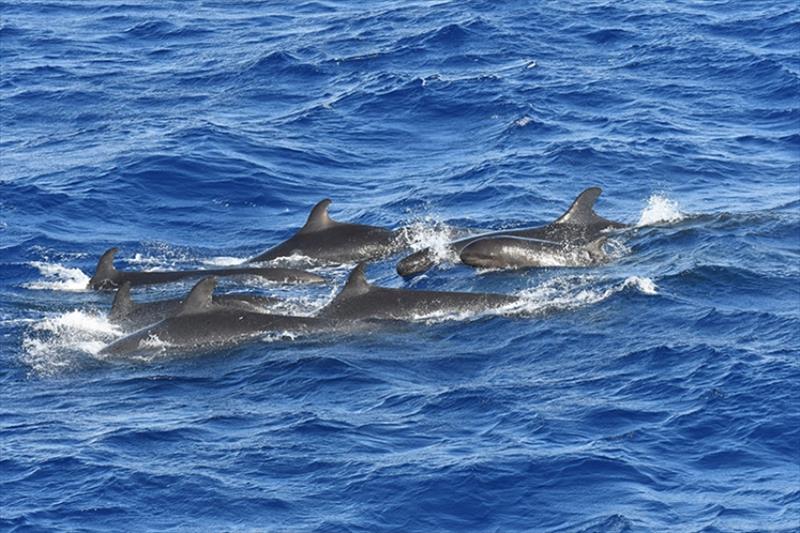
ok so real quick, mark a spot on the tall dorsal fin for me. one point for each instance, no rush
(200, 297)
(581, 212)
(357, 283)
(105, 272)
(123, 304)
(319, 218)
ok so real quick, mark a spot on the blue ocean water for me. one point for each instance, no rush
(657, 393)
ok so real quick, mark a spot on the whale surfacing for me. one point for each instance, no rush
(507, 252)
(201, 323)
(107, 277)
(132, 315)
(577, 228)
(326, 241)
(361, 300)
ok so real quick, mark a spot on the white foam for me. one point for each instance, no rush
(224, 261)
(643, 285)
(56, 343)
(278, 336)
(522, 122)
(659, 210)
(431, 233)
(162, 256)
(58, 278)
(153, 342)
(561, 293)
(564, 293)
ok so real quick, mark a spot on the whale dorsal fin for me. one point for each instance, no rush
(581, 212)
(123, 304)
(357, 283)
(200, 297)
(319, 218)
(105, 272)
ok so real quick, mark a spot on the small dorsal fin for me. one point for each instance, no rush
(357, 283)
(319, 218)
(581, 212)
(105, 272)
(200, 297)
(123, 304)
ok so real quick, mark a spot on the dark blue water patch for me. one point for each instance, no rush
(663, 382)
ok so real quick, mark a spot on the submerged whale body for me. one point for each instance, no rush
(361, 300)
(132, 315)
(324, 240)
(200, 323)
(106, 276)
(579, 226)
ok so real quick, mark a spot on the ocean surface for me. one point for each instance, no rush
(657, 393)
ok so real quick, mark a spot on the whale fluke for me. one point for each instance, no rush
(200, 297)
(318, 219)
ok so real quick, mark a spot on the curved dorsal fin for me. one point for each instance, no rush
(319, 218)
(123, 304)
(581, 212)
(200, 297)
(105, 272)
(357, 283)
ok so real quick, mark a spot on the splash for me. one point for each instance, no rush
(224, 261)
(58, 278)
(164, 257)
(522, 122)
(660, 210)
(566, 293)
(558, 294)
(58, 343)
(643, 285)
(278, 336)
(154, 343)
(433, 234)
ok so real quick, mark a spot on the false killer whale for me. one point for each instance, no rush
(132, 315)
(326, 241)
(201, 323)
(519, 252)
(108, 277)
(578, 226)
(361, 300)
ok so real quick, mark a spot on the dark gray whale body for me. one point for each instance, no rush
(132, 315)
(107, 277)
(579, 227)
(519, 252)
(326, 241)
(360, 300)
(200, 323)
